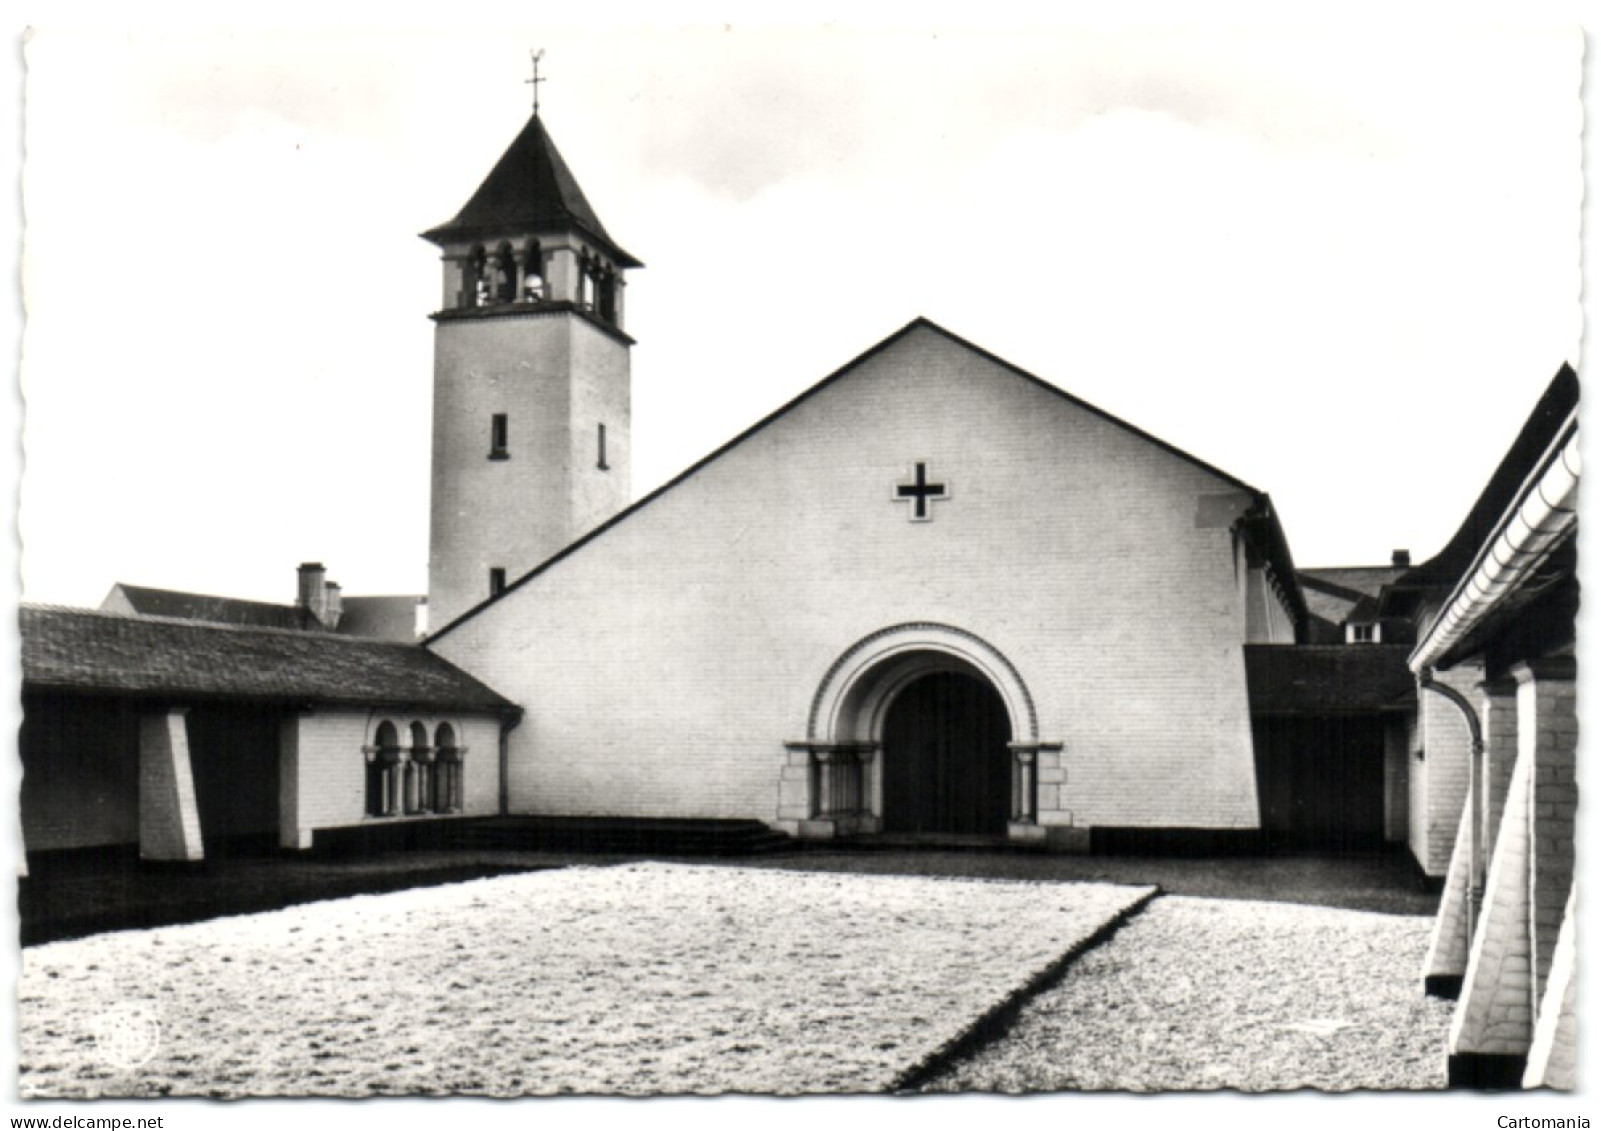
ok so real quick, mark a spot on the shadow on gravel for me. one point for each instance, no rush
(1385, 883)
(91, 896)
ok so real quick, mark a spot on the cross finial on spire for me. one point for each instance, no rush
(534, 82)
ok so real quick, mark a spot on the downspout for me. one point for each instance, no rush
(1426, 682)
(508, 723)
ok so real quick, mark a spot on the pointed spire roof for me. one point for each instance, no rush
(530, 189)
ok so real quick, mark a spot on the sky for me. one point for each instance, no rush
(1341, 266)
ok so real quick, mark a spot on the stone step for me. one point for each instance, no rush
(617, 835)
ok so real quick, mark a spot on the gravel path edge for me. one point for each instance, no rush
(995, 1020)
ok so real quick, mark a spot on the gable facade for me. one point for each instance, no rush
(730, 647)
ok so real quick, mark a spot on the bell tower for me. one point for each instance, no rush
(531, 378)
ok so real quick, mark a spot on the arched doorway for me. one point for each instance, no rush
(946, 765)
(960, 756)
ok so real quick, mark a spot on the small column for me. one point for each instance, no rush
(393, 788)
(1024, 824)
(864, 774)
(169, 815)
(1023, 786)
(823, 797)
(424, 761)
(408, 778)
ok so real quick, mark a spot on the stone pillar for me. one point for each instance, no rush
(1491, 1027)
(1499, 718)
(1447, 957)
(457, 287)
(1548, 736)
(1024, 824)
(1553, 1052)
(561, 285)
(291, 831)
(824, 789)
(169, 815)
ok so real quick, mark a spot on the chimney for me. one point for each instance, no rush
(313, 594)
(1401, 559)
(333, 606)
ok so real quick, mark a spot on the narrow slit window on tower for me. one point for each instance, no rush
(497, 437)
(497, 580)
(600, 448)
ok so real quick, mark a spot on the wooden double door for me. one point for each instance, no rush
(946, 765)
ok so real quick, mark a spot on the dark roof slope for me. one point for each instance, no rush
(1264, 519)
(83, 650)
(1312, 679)
(218, 610)
(1350, 583)
(530, 189)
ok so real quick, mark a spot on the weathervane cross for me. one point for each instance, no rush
(534, 82)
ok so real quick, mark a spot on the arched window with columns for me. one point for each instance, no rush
(504, 280)
(533, 272)
(608, 295)
(473, 288)
(419, 771)
(447, 781)
(383, 771)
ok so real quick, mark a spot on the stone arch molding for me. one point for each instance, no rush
(851, 700)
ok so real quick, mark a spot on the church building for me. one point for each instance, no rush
(934, 596)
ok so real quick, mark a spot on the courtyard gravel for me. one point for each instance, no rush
(635, 979)
(1195, 994)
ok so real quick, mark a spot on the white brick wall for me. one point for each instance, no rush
(555, 377)
(1439, 784)
(322, 778)
(664, 664)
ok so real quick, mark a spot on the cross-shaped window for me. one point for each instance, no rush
(920, 492)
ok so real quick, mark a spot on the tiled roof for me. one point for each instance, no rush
(83, 650)
(1332, 593)
(1308, 679)
(201, 606)
(529, 190)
